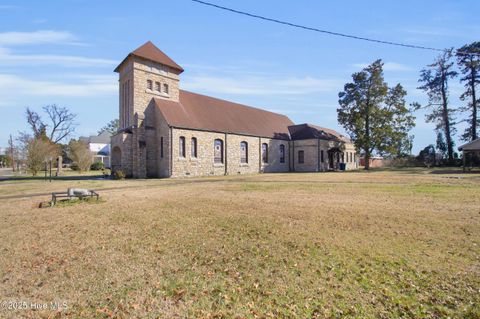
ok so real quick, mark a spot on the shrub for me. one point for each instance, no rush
(40, 151)
(80, 154)
(97, 166)
(119, 174)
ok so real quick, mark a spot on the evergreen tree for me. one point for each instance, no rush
(111, 127)
(468, 59)
(435, 80)
(441, 145)
(374, 115)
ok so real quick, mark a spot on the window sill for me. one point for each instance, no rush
(218, 165)
(162, 94)
(244, 164)
(182, 159)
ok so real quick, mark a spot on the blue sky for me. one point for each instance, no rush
(64, 52)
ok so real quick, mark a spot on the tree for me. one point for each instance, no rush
(435, 82)
(11, 151)
(61, 123)
(427, 155)
(374, 115)
(441, 145)
(39, 152)
(111, 127)
(468, 59)
(80, 155)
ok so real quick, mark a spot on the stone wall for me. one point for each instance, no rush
(203, 164)
(313, 148)
(124, 142)
(143, 71)
(162, 143)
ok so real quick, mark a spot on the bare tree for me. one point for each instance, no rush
(35, 121)
(11, 149)
(61, 123)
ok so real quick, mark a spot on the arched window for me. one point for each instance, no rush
(282, 153)
(265, 153)
(149, 84)
(218, 151)
(181, 146)
(243, 152)
(194, 147)
(301, 157)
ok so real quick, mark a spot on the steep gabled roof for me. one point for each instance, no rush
(309, 131)
(200, 112)
(150, 52)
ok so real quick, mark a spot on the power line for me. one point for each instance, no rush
(411, 46)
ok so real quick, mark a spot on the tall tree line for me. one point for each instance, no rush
(378, 121)
(435, 80)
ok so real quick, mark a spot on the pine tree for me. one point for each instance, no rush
(468, 59)
(374, 115)
(441, 145)
(435, 79)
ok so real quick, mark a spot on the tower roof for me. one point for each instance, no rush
(150, 52)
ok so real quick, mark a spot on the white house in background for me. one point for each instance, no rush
(100, 147)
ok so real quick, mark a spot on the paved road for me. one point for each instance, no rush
(5, 173)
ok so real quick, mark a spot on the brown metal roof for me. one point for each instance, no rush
(150, 52)
(196, 111)
(308, 131)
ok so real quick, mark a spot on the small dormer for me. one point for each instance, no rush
(145, 73)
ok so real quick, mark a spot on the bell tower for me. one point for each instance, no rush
(145, 73)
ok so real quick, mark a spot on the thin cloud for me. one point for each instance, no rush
(12, 86)
(387, 66)
(7, 58)
(256, 85)
(13, 38)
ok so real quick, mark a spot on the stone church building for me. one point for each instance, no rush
(168, 132)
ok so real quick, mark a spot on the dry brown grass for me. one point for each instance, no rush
(382, 244)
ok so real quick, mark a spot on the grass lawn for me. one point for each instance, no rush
(384, 244)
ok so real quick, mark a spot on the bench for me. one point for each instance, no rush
(73, 193)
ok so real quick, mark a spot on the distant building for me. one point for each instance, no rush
(376, 161)
(100, 147)
(168, 132)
